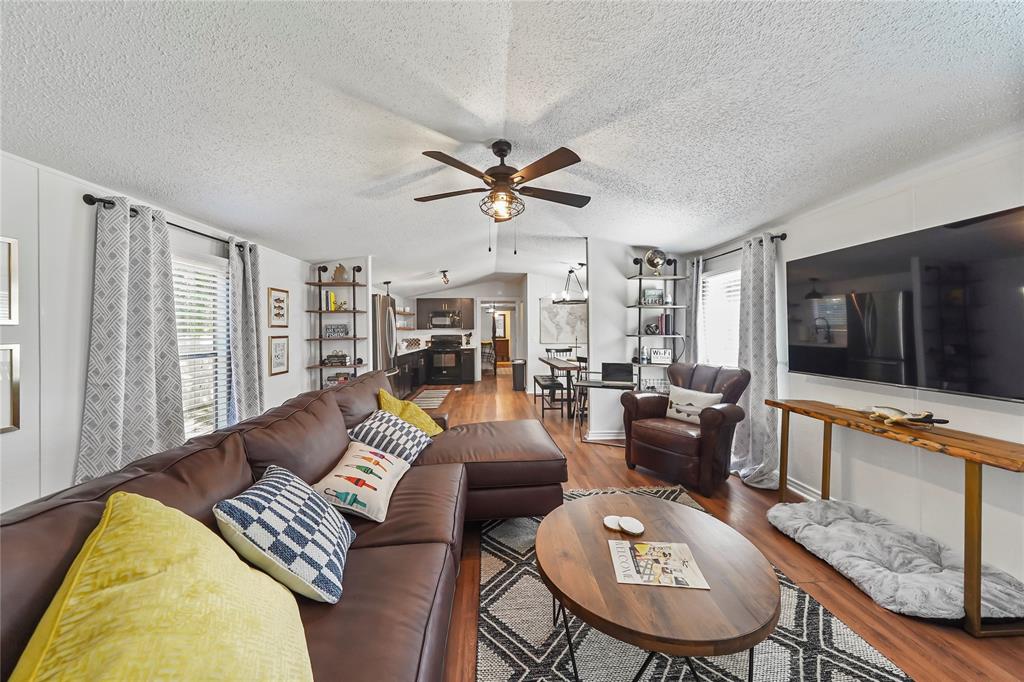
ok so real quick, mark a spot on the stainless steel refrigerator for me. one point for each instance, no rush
(880, 336)
(385, 332)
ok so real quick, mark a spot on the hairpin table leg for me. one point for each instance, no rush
(643, 668)
(568, 641)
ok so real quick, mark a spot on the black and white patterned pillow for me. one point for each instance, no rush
(391, 434)
(285, 528)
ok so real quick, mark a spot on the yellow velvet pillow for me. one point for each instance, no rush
(155, 594)
(409, 412)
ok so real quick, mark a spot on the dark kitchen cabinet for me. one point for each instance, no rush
(461, 309)
(468, 365)
(411, 373)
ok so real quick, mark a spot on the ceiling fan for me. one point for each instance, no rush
(505, 183)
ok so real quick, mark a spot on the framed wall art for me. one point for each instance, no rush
(8, 280)
(10, 387)
(562, 323)
(277, 307)
(278, 355)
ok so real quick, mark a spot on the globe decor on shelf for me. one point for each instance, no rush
(655, 259)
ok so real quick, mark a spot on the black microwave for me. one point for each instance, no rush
(445, 319)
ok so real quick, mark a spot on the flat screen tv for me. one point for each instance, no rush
(939, 309)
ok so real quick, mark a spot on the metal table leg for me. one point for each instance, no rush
(568, 641)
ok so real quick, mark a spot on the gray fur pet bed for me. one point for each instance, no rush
(901, 570)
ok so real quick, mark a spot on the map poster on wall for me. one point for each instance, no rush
(562, 323)
(670, 564)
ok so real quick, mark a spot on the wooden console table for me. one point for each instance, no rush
(975, 450)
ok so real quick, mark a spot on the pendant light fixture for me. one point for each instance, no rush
(569, 295)
(813, 294)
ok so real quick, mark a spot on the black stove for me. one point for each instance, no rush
(446, 358)
(445, 341)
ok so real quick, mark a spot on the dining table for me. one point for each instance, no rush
(568, 367)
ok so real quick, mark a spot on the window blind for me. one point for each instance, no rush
(831, 308)
(718, 323)
(201, 307)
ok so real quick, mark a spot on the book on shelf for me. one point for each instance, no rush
(669, 564)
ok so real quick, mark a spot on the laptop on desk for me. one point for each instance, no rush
(617, 373)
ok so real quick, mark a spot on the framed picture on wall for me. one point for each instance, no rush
(8, 280)
(562, 323)
(499, 325)
(10, 387)
(277, 307)
(278, 355)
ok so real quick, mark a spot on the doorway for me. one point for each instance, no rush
(498, 335)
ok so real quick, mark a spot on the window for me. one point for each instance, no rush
(201, 306)
(718, 323)
(832, 309)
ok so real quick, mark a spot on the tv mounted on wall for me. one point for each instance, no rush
(940, 309)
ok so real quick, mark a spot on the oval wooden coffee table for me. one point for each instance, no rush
(739, 611)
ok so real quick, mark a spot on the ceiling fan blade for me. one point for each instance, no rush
(455, 163)
(577, 200)
(434, 197)
(560, 158)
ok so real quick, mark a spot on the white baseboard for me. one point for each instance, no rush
(803, 490)
(606, 435)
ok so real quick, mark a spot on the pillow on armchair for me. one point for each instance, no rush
(685, 404)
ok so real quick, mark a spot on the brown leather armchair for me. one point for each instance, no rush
(696, 456)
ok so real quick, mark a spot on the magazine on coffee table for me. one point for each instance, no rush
(656, 563)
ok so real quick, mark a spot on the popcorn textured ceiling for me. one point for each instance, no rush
(301, 124)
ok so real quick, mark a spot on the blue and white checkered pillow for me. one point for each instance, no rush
(391, 434)
(284, 527)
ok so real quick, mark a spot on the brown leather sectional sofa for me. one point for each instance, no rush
(392, 622)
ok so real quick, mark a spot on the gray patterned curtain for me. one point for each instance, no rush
(133, 382)
(755, 455)
(244, 331)
(695, 268)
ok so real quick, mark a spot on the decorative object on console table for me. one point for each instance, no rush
(976, 451)
(8, 280)
(330, 303)
(278, 354)
(892, 415)
(10, 387)
(277, 307)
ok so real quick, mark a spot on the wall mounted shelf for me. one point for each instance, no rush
(338, 285)
(319, 285)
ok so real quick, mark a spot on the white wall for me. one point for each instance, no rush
(608, 265)
(43, 207)
(917, 489)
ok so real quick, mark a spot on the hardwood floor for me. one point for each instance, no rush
(924, 650)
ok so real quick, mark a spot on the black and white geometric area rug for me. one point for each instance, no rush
(516, 640)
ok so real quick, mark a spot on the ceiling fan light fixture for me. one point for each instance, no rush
(502, 204)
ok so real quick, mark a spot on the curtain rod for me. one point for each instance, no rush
(781, 237)
(109, 203)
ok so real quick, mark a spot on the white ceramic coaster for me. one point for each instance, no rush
(611, 522)
(630, 525)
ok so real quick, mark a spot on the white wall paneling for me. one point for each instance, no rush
(917, 489)
(19, 219)
(43, 207)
